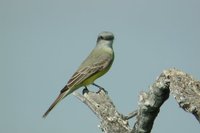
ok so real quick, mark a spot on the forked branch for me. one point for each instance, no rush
(184, 88)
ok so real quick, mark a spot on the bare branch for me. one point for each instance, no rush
(185, 89)
(103, 107)
(150, 103)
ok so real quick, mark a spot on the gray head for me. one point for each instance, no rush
(106, 36)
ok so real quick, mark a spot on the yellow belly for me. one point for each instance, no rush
(91, 79)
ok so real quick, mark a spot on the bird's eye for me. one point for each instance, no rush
(101, 37)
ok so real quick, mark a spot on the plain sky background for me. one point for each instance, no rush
(42, 42)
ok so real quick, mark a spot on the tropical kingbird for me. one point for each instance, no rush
(94, 66)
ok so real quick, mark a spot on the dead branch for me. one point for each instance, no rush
(185, 89)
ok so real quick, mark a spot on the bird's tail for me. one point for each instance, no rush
(64, 92)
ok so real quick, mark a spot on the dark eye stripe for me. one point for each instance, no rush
(105, 38)
(109, 38)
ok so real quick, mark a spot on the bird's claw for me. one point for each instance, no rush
(85, 90)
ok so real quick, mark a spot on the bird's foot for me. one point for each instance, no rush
(100, 88)
(85, 90)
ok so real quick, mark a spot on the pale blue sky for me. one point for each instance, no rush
(42, 42)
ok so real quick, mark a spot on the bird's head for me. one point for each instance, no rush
(105, 38)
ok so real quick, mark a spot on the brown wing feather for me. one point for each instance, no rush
(87, 72)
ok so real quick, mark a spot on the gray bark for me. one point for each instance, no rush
(186, 91)
(184, 88)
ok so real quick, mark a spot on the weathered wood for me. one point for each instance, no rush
(184, 88)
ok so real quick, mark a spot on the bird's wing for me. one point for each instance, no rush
(87, 72)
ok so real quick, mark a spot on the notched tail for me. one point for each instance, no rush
(63, 93)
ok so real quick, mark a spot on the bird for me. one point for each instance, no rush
(94, 66)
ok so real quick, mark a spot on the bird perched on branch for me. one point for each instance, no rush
(94, 66)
